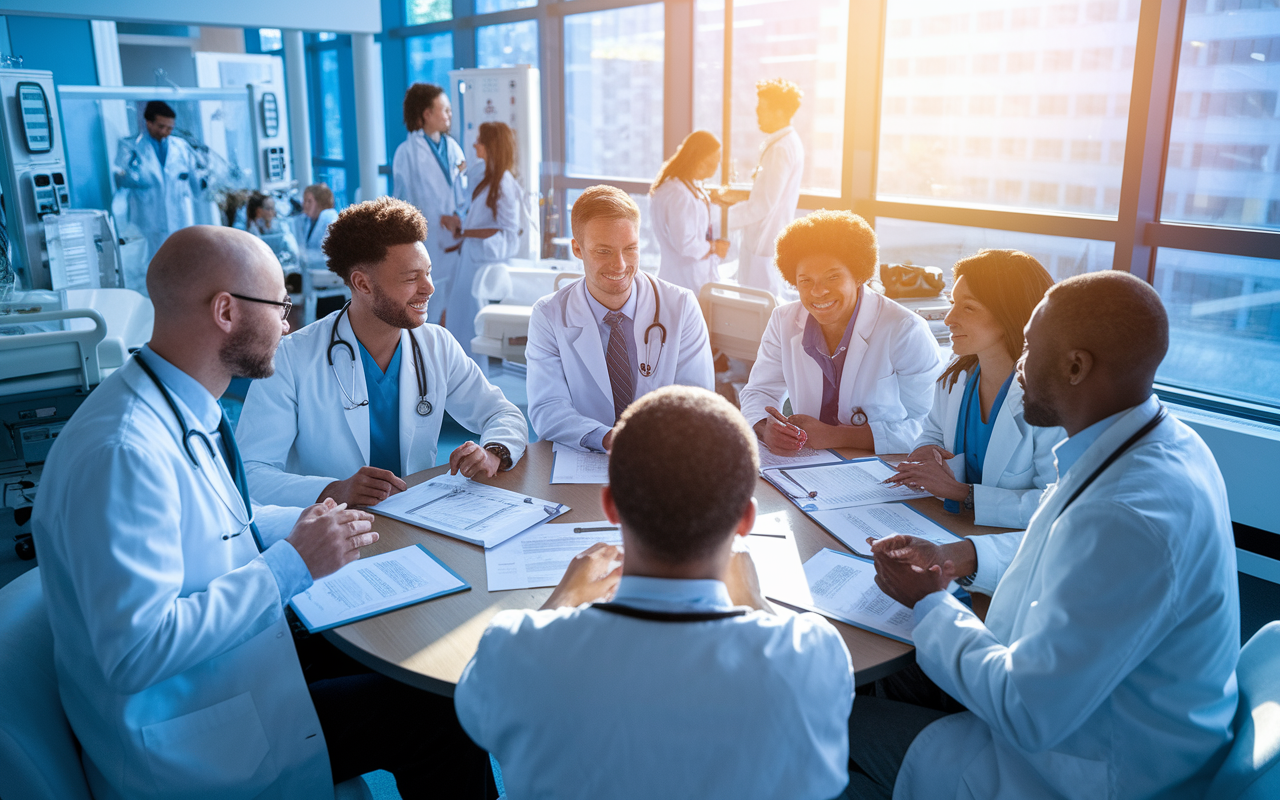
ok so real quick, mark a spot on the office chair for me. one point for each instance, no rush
(1250, 771)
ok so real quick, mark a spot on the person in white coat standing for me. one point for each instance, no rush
(1105, 667)
(977, 451)
(681, 211)
(859, 368)
(357, 399)
(775, 191)
(166, 586)
(489, 235)
(612, 337)
(162, 176)
(428, 170)
(310, 227)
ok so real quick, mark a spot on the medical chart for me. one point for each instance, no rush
(467, 510)
(805, 455)
(844, 588)
(540, 557)
(773, 550)
(854, 525)
(859, 482)
(370, 586)
(576, 466)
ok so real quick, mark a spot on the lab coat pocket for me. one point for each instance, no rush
(214, 752)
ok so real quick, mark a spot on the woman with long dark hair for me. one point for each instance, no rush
(681, 212)
(489, 234)
(976, 450)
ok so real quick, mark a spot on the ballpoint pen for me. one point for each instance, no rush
(596, 530)
(809, 492)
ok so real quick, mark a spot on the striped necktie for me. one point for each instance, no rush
(620, 375)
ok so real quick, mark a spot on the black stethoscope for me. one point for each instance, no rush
(424, 408)
(647, 369)
(187, 433)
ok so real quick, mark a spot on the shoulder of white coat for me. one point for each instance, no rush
(557, 299)
(791, 314)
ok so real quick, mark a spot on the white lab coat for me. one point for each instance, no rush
(570, 394)
(482, 275)
(311, 239)
(161, 199)
(1019, 463)
(889, 371)
(1106, 666)
(417, 179)
(175, 662)
(680, 222)
(296, 437)
(775, 194)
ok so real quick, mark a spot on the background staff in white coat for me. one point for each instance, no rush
(1105, 666)
(858, 367)
(775, 191)
(166, 587)
(428, 171)
(351, 401)
(612, 337)
(999, 464)
(310, 227)
(162, 176)
(489, 234)
(681, 211)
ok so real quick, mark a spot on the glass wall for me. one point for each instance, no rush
(1007, 104)
(330, 104)
(488, 6)
(708, 70)
(430, 58)
(1224, 324)
(1224, 147)
(613, 92)
(420, 12)
(804, 43)
(507, 45)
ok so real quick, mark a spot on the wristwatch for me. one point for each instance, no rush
(503, 454)
(968, 500)
(859, 417)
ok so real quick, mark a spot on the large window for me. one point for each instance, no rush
(1224, 148)
(420, 12)
(489, 6)
(430, 58)
(507, 45)
(613, 92)
(330, 104)
(1224, 323)
(1006, 104)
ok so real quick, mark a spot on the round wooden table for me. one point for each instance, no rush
(429, 644)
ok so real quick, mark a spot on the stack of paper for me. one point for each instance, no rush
(577, 466)
(805, 455)
(854, 526)
(773, 550)
(540, 556)
(371, 586)
(844, 588)
(466, 510)
(822, 487)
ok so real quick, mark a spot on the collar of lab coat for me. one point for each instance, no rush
(868, 315)
(1005, 434)
(582, 331)
(774, 137)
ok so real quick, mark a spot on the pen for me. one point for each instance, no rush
(778, 416)
(596, 530)
(770, 535)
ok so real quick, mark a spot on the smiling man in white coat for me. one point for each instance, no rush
(1105, 667)
(357, 399)
(166, 587)
(613, 336)
(428, 171)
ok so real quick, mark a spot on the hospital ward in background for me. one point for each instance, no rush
(606, 398)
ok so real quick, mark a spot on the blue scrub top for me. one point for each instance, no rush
(972, 434)
(441, 151)
(384, 411)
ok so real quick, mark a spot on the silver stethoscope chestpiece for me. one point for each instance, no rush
(859, 417)
(424, 407)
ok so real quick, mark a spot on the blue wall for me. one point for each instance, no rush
(62, 46)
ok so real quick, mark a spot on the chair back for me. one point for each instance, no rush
(564, 278)
(736, 317)
(1250, 771)
(39, 754)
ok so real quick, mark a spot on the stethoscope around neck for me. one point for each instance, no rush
(423, 408)
(647, 367)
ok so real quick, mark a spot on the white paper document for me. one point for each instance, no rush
(575, 466)
(466, 510)
(805, 455)
(773, 550)
(853, 525)
(374, 585)
(859, 482)
(539, 557)
(844, 588)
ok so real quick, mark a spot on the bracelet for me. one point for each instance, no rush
(968, 500)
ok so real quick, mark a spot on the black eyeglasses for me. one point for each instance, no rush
(285, 305)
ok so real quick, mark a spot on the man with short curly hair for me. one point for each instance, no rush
(358, 397)
(765, 211)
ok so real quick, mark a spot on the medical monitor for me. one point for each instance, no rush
(34, 108)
